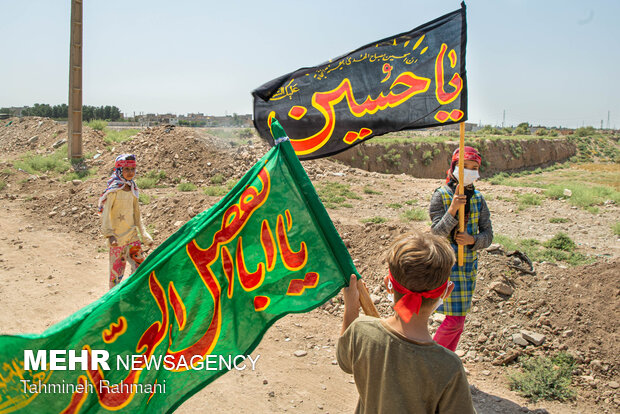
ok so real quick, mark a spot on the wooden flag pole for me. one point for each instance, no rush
(461, 189)
(74, 121)
(367, 306)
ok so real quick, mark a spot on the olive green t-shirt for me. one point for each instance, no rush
(396, 375)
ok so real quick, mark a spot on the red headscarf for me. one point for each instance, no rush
(411, 302)
(471, 154)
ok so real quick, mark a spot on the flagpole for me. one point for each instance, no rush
(461, 189)
(367, 305)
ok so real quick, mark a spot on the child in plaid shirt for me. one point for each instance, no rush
(478, 235)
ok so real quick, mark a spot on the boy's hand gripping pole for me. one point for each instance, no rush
(461, 189)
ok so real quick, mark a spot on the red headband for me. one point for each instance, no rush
(125, 163)
(411, 302)
(470, 154)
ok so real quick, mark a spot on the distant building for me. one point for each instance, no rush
(196, 120)
(15, 110)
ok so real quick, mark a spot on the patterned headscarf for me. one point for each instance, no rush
(471, 154)
(117, 181)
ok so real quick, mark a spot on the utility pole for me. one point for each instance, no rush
(504, 119)
(74, 124)
(607, 119)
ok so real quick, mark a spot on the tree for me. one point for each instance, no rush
(522, 129)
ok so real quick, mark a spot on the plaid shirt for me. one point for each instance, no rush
(464, 277)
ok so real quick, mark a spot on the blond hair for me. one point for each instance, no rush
(420, 262)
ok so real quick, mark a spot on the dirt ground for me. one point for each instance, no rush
(53, 262)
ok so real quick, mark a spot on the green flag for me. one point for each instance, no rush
(196, 307)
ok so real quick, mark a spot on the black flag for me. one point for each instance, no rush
(408, 81)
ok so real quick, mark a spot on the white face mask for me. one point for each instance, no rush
(469, 176)
(440, 301)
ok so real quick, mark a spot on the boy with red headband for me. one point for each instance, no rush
(121, 218)
(478, 235)
(397, 366)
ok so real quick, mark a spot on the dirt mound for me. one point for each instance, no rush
(193, 155)
(41, 135)
(182, 154)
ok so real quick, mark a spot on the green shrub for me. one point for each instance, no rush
(217, 179)
(540, 252)
(375, 220)
(79, 175)
(56, 162)
(498, 179)
(246, 133)
(616, 228)
(545, 378)
(561, 241)
(516, 149)
(585, 131)
(113, 136)
(144, 198)
(427, 157)
(395, 206)
(556, 220)
(157, 174)
(584, 195)
(490, 130)
(332, 193)
(146, 182)
(414, 214)
(186, 187)
(97, 124)
(526, 200)
(216, 191)
(2, 185)
(522, 129)
(370, 190)
(150, 179)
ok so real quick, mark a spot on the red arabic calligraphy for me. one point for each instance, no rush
(324, 102)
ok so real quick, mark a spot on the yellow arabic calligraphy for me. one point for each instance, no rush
(286, 91)
(371, 57)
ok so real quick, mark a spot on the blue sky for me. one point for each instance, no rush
(547, 62)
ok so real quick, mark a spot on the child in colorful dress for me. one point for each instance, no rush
(478, 235)
(121, 219)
